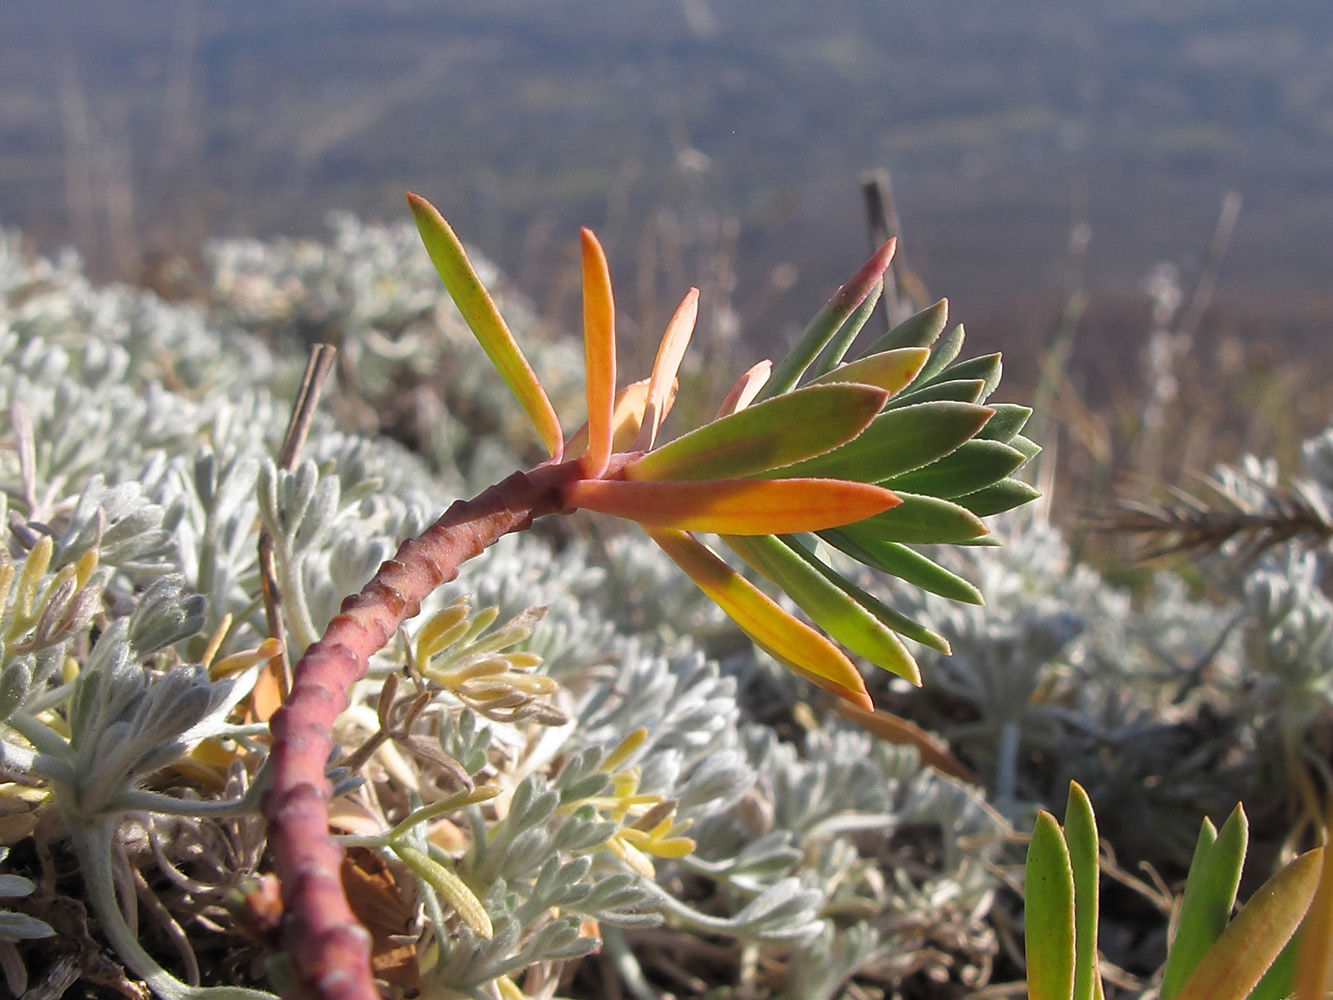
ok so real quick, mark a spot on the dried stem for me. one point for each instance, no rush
(330, 951)
(317, 370)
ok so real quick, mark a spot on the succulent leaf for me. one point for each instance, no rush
(599, 354)
(828, 321)
(1243, 952)
(998, 497)
(905, 563)
(1210, 895)
(919, 330)
(973, 466)
(813, 587)
(921, 520)
(734, 506)
(1081, 837)
(1049, 913)
(767, 436)
(791, 641)
(478, 309)
(891, 371)
(898, 441)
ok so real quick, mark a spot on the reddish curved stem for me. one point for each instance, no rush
(329, 948)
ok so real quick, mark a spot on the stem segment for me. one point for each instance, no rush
(329, 949)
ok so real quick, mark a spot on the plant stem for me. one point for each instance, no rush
(329, 949)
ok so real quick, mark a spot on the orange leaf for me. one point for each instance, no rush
(746, 388)
(790, 641)
(734, 506)
(670, 353)
(599, 354)
(626, 418)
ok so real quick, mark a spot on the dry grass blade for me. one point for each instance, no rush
(1193, 526)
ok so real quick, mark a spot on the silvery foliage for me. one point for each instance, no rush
(372, 291)
(144, 432)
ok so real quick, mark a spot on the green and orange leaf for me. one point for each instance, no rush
(488, 326)
(733, 506)
(789, 640)
(814, 589)
(891, 371)
(1252, 941)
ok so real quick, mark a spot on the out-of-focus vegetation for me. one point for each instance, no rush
(717, 144)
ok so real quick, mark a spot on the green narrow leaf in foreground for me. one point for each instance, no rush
(1048, 913)
(1249, 945)
(479, 311)
(1084, 860)
(766, 436)
(1210, 894)
(791, 641)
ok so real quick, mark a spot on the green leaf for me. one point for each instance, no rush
(766, 436)
(1210, 893)
(842, 339)
(941, 356)
(732, 506)
(897, 441)
(479, 311)
(961, 391)
(1009, 419)
(1048, 913)
(973, 466)
(988, 368)
(790, 640)
(1004, 495)
(1247, 948)
(922, 521)
(1027, 446)
(819, 592)
(907, 564)
(1084, 860)
(889, 370)
(920, 330)
(827, 322)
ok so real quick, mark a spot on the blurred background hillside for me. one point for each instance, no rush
(1041, 153)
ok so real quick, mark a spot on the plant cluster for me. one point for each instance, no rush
(569, 770)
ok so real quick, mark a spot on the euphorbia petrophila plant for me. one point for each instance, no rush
(891, 449)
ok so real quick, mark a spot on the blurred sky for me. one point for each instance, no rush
(707, 140)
